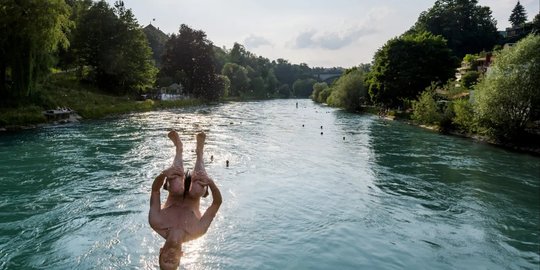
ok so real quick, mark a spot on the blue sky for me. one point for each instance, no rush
(317, 32)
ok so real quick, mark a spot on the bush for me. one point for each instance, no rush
(470, 78)
(349, 91)
(508, 95)
(463, 116)
(426, 110)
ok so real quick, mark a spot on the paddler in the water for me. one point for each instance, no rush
(180, 219)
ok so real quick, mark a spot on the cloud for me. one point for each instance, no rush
(330, 40)
(256, 41)
(344, 34)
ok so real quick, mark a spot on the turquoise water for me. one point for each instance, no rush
(366, 194)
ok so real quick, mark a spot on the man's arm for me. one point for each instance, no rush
(155, 195)
(211, 212)
(155, 207)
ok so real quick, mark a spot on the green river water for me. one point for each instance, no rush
(364, 194)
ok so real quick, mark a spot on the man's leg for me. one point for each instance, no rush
(199, 163)
(199, 171)
(178, 162)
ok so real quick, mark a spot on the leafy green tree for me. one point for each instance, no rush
(111, 42)
(425, 109)
(220, 58)
(157, 40)
(284, 91)
(271, 82)
(32, 31)
(509, 95)
(349, 91)
(189, 57)
(518, 16)
(302, 88)
(317, 89)
(257, 87)
(536, 23)
(405, 66)
(468, 27)
(223, 85)
(324, 95)
(464, 118)
(238, 77)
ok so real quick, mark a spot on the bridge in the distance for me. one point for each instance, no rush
(327, 77)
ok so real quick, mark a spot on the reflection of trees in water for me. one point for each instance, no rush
(460, 180)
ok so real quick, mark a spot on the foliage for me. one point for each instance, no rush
(470, 78)
(324, 95)
(284, 91)
(405, 66)
(317, 89)
(111, 42)
(349, 91)
(468, 27)
(32, 31)
(464, 118)
(509, 95)
(224, 85)
(426, 109)
(302, 88)
(257, 87)
(189, 60)
(156, 40)
(24, 115)
(238, 77)
(536, 23)
(518, 16)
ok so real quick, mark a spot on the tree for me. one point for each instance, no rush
(518, 16)
(536, 23)
(468, 27)
(405, 66)
(425, 108)
(317, 89)
(349, 91)
(157, 40)
(238, 77)
(189, 59)
(284, 91)
(257, 87)
(32, 31)
(509, 95)
(111, 42)
(302, 88)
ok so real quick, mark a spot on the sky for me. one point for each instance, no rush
(320, 33)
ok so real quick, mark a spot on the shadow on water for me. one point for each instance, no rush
(486, 188)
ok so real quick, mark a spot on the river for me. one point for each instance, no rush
(307, 188)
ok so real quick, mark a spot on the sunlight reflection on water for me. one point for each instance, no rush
(364, 194)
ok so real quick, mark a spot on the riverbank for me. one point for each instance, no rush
(529, 145)
(88, 102)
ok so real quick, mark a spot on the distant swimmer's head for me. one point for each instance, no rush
(175, 185)
(169, 256)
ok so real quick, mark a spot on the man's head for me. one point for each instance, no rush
(169, 255)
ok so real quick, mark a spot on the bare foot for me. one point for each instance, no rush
(175, 138)
(201, 137)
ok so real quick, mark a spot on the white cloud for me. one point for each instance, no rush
(253, 41)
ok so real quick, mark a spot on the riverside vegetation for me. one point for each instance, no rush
(96, 59)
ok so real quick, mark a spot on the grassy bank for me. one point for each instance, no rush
(64, 91)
